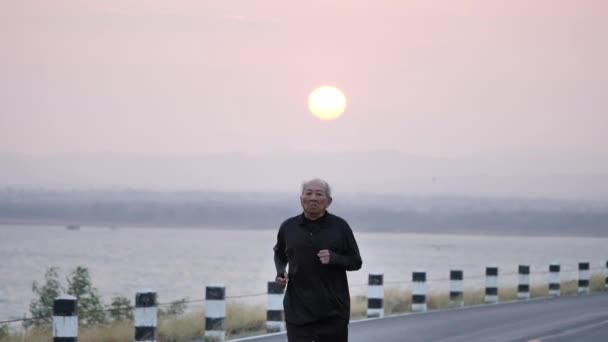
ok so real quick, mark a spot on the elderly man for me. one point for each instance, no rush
(319, 248)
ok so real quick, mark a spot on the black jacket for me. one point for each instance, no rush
(317, 292)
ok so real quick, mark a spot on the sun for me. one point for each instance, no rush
(327, 102)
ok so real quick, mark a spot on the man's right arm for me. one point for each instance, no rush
(280, 260)
(280, 265)
(282, 276)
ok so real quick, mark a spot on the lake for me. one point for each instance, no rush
(179, 263)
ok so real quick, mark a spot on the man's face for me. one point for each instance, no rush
(314, 199)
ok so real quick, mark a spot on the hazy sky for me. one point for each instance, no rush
(439, 79)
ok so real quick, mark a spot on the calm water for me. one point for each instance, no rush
(179, 263)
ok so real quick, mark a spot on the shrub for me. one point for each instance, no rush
(176, 308)
(4, 333)
(121, 309)
(90, 307)
(41, 307)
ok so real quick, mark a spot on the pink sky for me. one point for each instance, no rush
(432, 78)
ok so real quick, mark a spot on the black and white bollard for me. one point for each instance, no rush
(419, 291)
(375, 295)
(215, 312)
(456, 288)
(523, 289)
(606, 281)
(65, 319)
(145, 316)
(491, 285)
(554, 280)
(274, 308)
(583, 278)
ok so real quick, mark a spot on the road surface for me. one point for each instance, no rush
(571, 319)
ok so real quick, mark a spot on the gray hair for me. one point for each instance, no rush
(323, 183)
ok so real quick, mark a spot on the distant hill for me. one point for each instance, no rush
(365, 212)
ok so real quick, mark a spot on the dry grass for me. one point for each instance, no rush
(358, 307)
(396, 301)
(243, 320)
(474, 296)
(42, 334)
(183, 328)
(539, 291)
(114, 332)
(597, 283)
(436, 301)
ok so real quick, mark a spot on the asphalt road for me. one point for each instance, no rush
(571, 319)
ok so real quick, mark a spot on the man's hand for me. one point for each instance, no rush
(324, 256)
(282, 281)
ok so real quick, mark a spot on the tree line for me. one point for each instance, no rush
(267, 212)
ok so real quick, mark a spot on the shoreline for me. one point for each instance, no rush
(141, 225)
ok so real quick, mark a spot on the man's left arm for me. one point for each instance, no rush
(351, 259)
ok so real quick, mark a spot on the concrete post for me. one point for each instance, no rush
(274, 308)
(456, 288)
(146, 311)
(491, 285)
(215, 312)
(419, 291)
(583, 278)
(554, 280)
(523, 289)
(375, 295)
(65, 319)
